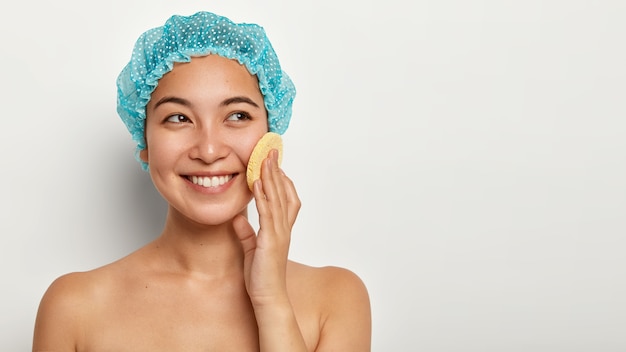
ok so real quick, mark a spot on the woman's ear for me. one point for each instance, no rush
(143, 155)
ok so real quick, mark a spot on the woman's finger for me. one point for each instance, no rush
(262, 206)
(269, 174)
(273, 189)
(277, 177)
(293, 201)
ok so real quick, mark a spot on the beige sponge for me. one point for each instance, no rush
(268, 142)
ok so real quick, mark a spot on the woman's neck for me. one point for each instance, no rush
(196, 249)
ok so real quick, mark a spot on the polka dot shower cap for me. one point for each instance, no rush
(203, 33)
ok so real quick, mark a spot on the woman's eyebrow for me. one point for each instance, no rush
(187, 103)
(172, 99)
(238, 99)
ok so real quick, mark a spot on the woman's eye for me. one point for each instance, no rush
(177, 118)
(238, 116)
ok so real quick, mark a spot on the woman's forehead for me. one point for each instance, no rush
(213, 77)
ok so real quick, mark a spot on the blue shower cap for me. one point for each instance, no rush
(203, 33)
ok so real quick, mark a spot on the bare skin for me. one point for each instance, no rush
(133, 306)
(209, 282)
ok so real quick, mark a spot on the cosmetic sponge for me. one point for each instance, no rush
(269, 141)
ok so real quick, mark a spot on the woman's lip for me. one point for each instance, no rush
(210, 174)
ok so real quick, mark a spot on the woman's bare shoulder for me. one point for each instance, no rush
(63, 309)
(327, 279)
(74, 291)
(69, 291)
(341, 300)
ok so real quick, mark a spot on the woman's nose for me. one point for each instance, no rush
(208, 145)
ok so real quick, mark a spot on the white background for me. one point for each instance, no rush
(467, 159)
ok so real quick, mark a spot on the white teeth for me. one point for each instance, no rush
(210, 181)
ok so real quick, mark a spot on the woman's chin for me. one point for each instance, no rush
(210, 216)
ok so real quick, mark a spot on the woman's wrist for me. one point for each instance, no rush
(278, 327)
(271, 308)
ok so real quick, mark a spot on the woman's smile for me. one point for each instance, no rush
(215, 183)
(210, 181)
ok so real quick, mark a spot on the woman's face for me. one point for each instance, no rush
(203, 120)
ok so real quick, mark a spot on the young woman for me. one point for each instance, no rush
(197, 95)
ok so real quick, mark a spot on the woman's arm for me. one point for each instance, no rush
(57, 317)
(346, 321)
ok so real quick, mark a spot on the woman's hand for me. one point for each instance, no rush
(265, 260)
